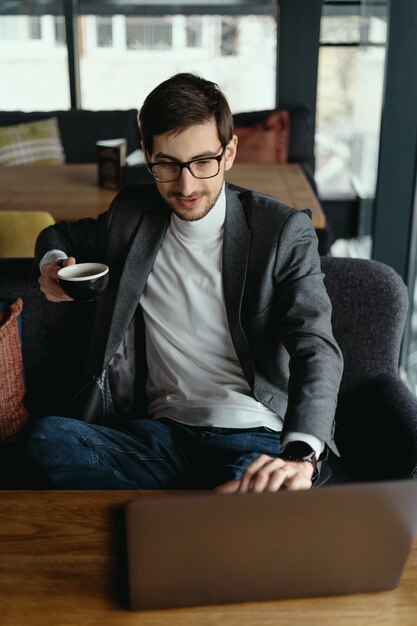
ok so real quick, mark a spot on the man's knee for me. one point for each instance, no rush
(59, 456)
(55, 438)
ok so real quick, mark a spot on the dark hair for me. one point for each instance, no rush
(183, 101)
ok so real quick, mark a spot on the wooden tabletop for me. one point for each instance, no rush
(62, 562)
(286, 182)
(65, 191)
(71, 192)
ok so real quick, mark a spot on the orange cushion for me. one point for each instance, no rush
(13, 414)
(266, 141)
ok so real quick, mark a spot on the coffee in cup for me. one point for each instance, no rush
(84, 281)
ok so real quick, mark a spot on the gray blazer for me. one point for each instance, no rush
(277, 307)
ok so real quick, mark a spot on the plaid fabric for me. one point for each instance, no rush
(13, 414)
(35, 142)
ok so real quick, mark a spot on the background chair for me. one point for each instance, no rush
(376, 418)
(18, 232)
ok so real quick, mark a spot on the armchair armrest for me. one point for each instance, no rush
(376, 430)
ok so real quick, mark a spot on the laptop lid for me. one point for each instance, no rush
(188, 549)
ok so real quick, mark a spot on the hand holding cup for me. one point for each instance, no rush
(48, 280)
(83, 281)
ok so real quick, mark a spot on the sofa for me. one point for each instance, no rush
(80, 129)
(376, 418)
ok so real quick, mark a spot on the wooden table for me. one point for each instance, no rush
(62, 562)
(71, 191)
(286, 182)
(66, 191)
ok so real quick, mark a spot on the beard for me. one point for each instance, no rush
(189, 215)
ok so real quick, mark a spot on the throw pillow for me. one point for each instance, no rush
(19, 230)
(265, 141)
(13, 414)
(32, 143)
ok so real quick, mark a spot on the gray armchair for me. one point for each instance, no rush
(376, 419)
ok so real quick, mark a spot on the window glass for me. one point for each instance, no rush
(145, 50)
(194, 31)
(124, 55)
(349, 101)
(104, 27)
(340, 29)
(35, 27)
(33, 61)
(144, 33)
(60, 37)
(229, 37)
(336, 91)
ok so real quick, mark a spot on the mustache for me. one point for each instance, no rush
(178, 194)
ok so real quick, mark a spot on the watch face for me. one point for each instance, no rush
(298, 450)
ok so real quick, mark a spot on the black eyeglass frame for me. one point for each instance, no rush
(181, 165)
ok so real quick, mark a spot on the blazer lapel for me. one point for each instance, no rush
(236, 246)
(139, 263)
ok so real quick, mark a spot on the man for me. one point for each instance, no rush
(224, 288)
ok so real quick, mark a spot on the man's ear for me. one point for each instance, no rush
(230, 152)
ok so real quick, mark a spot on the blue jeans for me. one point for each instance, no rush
(145, 454)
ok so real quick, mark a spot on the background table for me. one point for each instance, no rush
(62, 562)
(66, 191)
(71, 191)
(285, 182)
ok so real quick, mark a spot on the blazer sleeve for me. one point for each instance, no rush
(83, 239)
(99, 239)
(304, 310)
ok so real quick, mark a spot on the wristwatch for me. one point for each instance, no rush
(300, 451)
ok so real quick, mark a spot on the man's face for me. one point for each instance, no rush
(192, 198)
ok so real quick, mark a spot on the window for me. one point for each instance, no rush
(34, 27)
(104, 32)
(149, 33)
(59, 29)
(33, 68)
(126, 48)
(229, 36)
(349, 98)
(336, 88)
(149, 49)
(194, 32)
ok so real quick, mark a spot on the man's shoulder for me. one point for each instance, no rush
(260, 208)
(140, 194)
(131, 203)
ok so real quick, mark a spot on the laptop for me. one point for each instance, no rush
(201, 548)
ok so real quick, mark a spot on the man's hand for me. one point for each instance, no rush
(267, 473)
(49, 283)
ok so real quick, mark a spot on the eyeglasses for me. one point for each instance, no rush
(170, 171)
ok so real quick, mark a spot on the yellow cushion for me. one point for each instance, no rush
(34, 142)
(18, 232)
